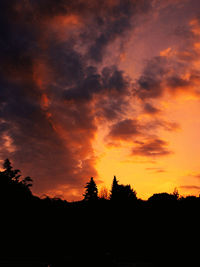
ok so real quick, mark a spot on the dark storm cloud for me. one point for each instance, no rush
(33, 139)
(149, 85)
(67, 65)
(107, 20)
(48, 84)
(26, 123)
(151, 148)
(111, 79)
(17, 44)
(114, 23)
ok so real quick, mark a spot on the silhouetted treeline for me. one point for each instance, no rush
(97, 231)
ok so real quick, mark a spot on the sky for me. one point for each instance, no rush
(101, 88)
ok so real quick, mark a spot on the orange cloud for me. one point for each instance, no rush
(166, 52)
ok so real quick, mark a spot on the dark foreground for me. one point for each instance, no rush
(51, 232)
(122, 231)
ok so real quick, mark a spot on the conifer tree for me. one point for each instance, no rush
(91, 192)
(115, 189)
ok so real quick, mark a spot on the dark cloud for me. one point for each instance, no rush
(150, 109)
(106, 20)
(115, 21)
(111, 108)
(143, 136)
(175, 70)
(165, 74)
(149, 85)
(151, 148)
(109, 81)
(124, 130)
(67, 65)
(49, 83)
(177, 82)
(39, 148)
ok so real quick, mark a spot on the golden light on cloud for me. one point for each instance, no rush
(166, 52)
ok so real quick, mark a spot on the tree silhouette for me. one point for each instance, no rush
(91, 192)
(115, 189)
(12, 175)
(161, 199)
(121, 192)
(12, 185)
(27, 181)
(127, 193)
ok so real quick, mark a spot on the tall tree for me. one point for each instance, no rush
(91, 191)
(114, 189)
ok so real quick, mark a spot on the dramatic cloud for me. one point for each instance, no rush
(124, 130)
(62, 79)
(53, 83)
(175, 70)
(149, 85)
(110, 81)
(132, 129)
(151, 148)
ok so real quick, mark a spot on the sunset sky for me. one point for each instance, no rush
(101, 88)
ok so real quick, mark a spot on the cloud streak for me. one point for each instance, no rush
(151, 148)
